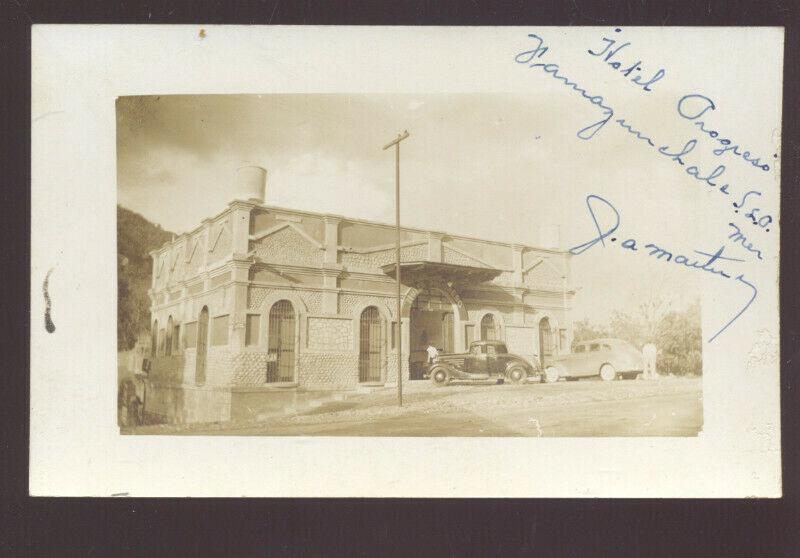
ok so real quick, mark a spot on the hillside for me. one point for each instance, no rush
(136, 236)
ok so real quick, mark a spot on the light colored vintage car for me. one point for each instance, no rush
(608, 358)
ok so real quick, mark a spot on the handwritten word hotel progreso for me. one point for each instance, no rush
(687, 108)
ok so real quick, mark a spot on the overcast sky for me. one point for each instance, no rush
(495, 166)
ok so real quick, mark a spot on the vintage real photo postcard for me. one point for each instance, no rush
(540, 261)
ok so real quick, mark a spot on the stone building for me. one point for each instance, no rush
(258, 304)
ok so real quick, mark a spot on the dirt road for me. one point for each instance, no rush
(666, 407)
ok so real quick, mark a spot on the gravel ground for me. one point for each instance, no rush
(663, 407)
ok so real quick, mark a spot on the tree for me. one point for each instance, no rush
(583, 330)
(676, 333)
(136, 237)
(680, 342)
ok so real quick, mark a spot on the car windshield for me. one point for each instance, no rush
(500, 349)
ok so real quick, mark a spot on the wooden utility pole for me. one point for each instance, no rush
(396, 143)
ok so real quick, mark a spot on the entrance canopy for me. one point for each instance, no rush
(416, 273)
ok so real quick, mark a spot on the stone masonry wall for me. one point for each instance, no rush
(373, 260)
(251, 368)
(220, 364)
(349, 304)
(328, 370)
(330, 334)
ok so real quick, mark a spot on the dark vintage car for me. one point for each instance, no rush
(610, 359)
(485, 360)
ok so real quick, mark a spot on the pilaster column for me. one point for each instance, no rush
(330, 277)
(240, 227)
(331, 239)
(240, 275)
(330, 284)
(516, 259)
(203, 247)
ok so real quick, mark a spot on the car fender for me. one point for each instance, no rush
(452, 371)
(518, 362)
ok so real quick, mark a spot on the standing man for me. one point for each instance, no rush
(649, 353)
(433, 352)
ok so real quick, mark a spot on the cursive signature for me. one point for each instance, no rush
(712, 262)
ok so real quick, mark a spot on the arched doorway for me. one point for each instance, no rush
(202, 346)
(431, 323)
(282, 340)
(372, 346)
(545, 341)
(488, 328)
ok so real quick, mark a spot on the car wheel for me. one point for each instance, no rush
(608, 373)
(551, 375)
(440, 377)
(516, 375)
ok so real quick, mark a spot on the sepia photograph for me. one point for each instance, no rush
(266, 286)
(320, 261)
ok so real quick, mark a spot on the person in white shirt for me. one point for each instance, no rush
(650, 355)
(433, 352)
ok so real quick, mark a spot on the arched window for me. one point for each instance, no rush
(154, 339)
(488, 328)
(372, 346)
(202, 346)
(168, 343)
(282, 340)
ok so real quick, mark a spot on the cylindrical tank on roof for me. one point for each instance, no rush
(251, 183)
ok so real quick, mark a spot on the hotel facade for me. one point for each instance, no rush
(260, 304)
